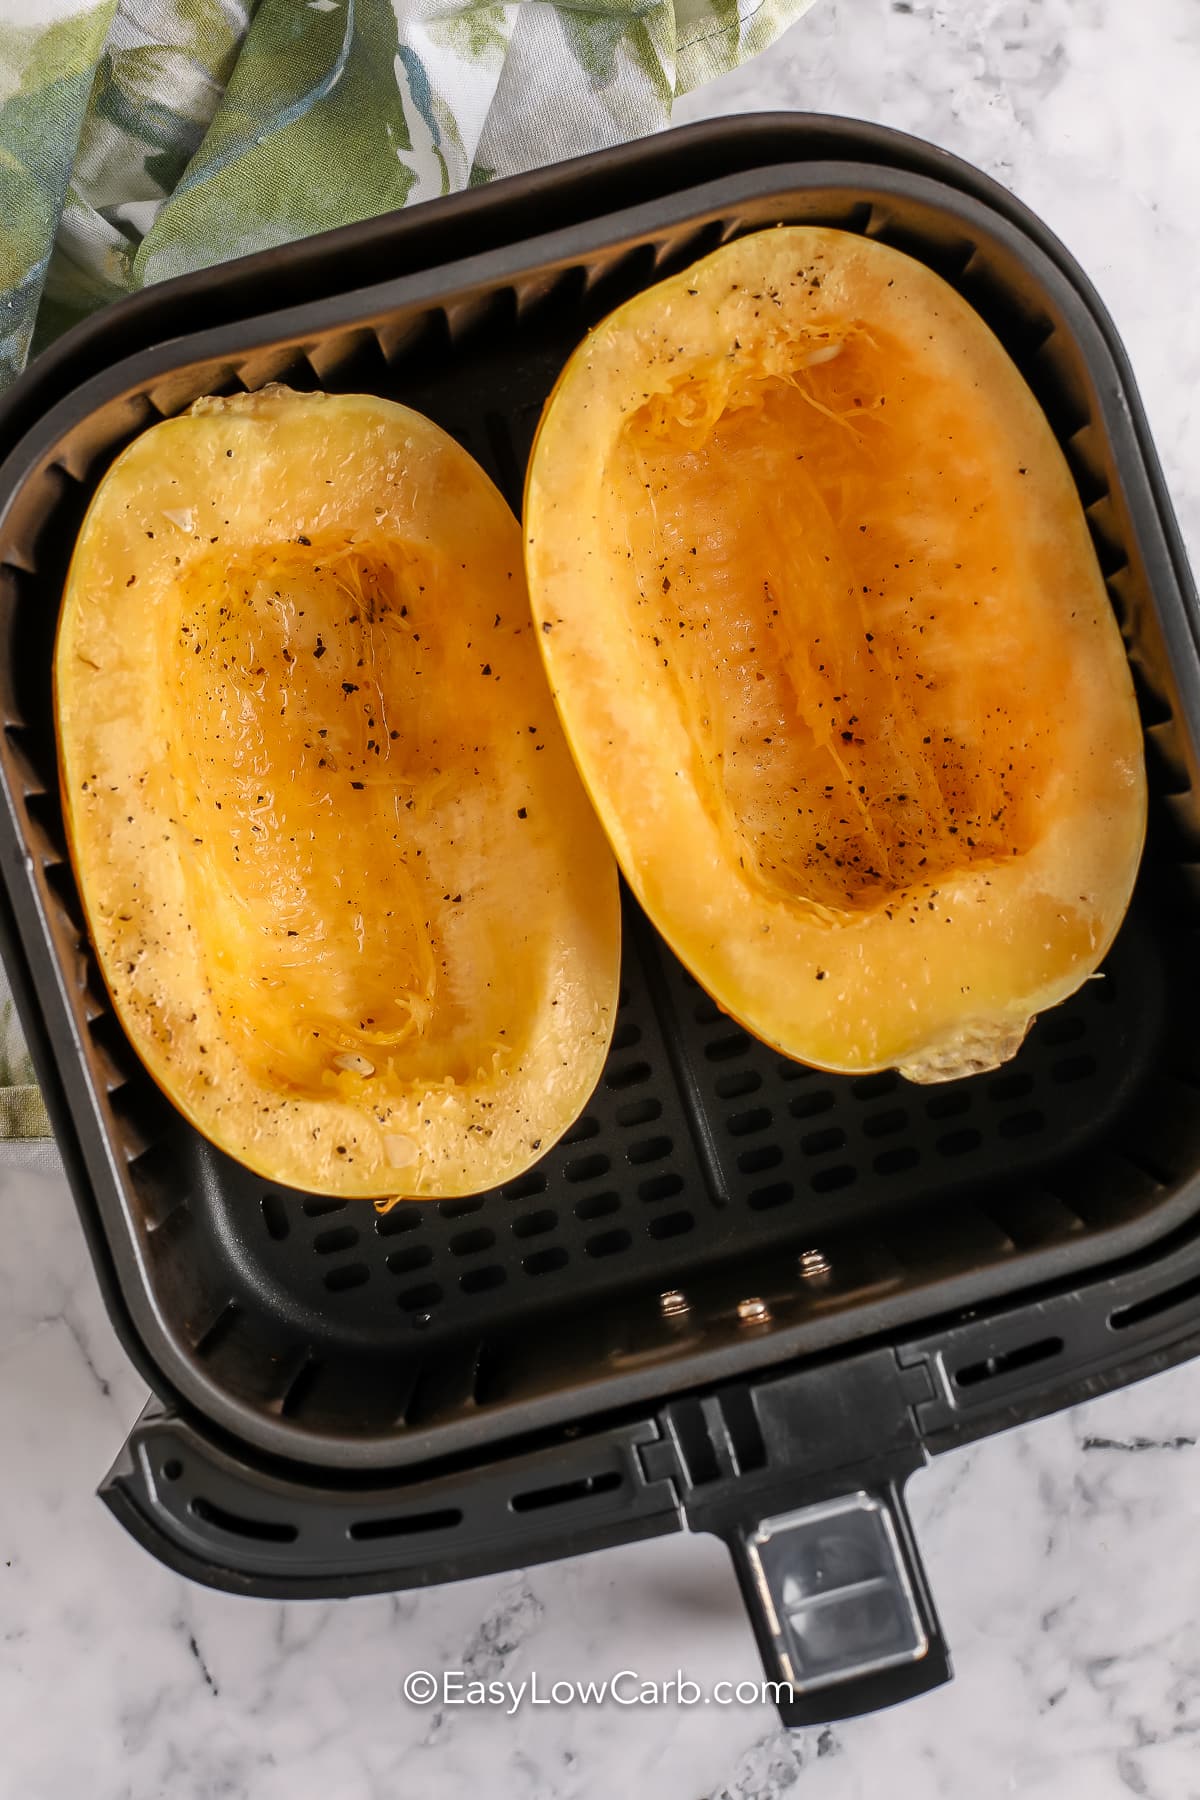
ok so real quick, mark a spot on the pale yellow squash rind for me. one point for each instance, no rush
(393, 970)
(939, 978)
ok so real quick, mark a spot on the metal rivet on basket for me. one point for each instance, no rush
(813, 1264)
(753, 1312)
(673, 1304)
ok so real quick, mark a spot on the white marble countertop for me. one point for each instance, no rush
(1064, 1556)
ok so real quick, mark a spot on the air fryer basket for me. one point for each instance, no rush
(303, 1346)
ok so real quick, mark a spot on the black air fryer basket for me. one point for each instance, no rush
(741, 1296)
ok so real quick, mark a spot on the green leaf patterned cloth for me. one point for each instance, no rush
(146, 138)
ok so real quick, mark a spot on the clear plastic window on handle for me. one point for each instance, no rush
(835, 1591)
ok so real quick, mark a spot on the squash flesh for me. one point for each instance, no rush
(291, 737)
(345, 888)
(822, 573)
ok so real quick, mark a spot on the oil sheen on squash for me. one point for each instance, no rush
(351, 903)
(827, 632)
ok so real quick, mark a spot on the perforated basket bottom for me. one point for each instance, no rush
(698, 1142)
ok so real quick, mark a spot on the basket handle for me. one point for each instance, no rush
(840, 1606)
